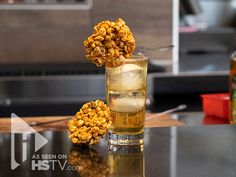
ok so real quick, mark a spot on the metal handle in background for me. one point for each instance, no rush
(161, 49)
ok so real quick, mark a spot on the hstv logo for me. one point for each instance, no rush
(18, 126)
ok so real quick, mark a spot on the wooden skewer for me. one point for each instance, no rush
(48, 122)
(180, 107)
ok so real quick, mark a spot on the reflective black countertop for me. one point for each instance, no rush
(196, 151)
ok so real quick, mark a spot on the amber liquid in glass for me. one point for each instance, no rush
(128, 122)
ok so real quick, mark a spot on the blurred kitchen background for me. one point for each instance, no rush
(43, 69)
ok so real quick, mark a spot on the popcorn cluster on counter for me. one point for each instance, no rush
(91, 122)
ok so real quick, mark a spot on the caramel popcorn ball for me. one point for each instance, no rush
(110, 44)
(90, 123)
(88, 162)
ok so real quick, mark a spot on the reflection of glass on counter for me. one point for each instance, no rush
(126, 161)
(88, 162)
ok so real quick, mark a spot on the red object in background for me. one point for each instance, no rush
(211, 120)
(216, 105)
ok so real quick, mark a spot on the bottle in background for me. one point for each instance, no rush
(232, 88)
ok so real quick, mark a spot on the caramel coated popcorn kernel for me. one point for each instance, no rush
(90, 123)
(110, 44)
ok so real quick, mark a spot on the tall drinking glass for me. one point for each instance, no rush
(126, 97)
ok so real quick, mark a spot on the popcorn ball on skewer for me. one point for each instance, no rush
(110, 44)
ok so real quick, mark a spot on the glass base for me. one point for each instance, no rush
(124, 139)
(134, 149)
